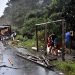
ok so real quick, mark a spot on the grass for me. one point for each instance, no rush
(68, 67)
(29, 43)
(25, 42)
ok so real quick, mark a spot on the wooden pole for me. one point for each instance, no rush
(71, 41)
(45, 39)
(37, 39)
(63, 41)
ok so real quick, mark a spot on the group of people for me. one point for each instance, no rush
(52, 44)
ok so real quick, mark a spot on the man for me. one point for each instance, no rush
(53, 38)
(13, 35)
(53, 35)
(68, 40)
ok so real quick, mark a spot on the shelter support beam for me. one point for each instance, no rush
(37, 39)
(45, 39)
(63, 40)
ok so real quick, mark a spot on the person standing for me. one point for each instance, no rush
(49, 44)
(56, 46)
(68, 40)
(53, 41)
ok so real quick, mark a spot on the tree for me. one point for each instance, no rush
(69, 14)
(17, 11)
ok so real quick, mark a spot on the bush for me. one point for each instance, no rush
(41, 37)
(19, 37)
(29, 43)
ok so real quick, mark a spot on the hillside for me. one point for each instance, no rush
(24, 14)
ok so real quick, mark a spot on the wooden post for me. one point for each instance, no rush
(45, 39)
(71, 41)
(10, 30)
(0, 34)
(37, 39)
(63, 40)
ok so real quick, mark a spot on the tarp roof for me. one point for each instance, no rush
(3, 26)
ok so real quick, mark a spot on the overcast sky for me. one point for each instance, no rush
(2, 6)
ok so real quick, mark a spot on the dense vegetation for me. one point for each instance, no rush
(69, 14)
(68, 67)
(24, 14)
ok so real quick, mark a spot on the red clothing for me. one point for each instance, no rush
(49, 42)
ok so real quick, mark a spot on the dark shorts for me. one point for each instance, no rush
(68, 44)
(52, 44)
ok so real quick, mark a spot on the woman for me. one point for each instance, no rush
(49, 44)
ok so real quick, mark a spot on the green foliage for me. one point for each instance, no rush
(24, 14)
(19, 37)
(29, 43)
(41, 36)
(69, 14)
(67, 67)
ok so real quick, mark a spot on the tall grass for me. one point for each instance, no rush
(67, 67)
